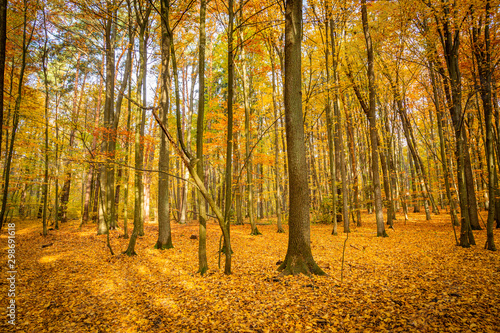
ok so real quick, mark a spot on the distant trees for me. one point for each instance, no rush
(352, 128)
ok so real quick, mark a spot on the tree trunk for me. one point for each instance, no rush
(276, 145)
(299, 258)
(127, 155)
(350, 140)
(142, 20)
(483, 56)
(15, 120)
(248, 135)
(450, 45)
(442, 145)
(373, 126)
(202, 215)
(185, 188)
(228, 179)
(338, 136)
(3, 42)
(164, 234)
(45, 194)
(330, 135)
(238, 189)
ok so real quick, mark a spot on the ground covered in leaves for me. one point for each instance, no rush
(414, 280)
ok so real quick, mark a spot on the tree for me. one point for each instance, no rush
(449, 32)
(164, 235)
(370, 111)
(299, 258)
(142, 16)
(3, 42)
(46, 106)
(202, 215)
(338, 137)
(248, 135)
(228, 178)
(26, 41)
(482, 51)
(276, 142)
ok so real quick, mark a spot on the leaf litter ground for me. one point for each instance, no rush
(414, 280)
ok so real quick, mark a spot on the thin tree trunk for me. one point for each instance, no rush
(442, 145)
(127, 155)
(373, 126)
(276, 145)
(45, 194)
(15, 120)
(202, 216)
(248, 135)
(338, 137)
(350, 140)
(185, 189)
(330, 132)
(3, 42)
(228, 179)
(483, 56)
(238, 190)
(450, 48)
(142, 16)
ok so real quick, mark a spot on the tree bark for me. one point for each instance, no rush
(164, 233)
(350, 140)
(3, 42)
(299, 258)
(442, 145)
(45, 194)
(373, 126)
(338, 137)
(248, 134)
(142, 16)
(228, 179)
(202, 216)
(450, 43)
(15, 120)
(330, 135)
(483, 57)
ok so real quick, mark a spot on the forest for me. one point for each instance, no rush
(249, 165)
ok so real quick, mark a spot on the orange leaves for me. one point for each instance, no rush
(416, 280)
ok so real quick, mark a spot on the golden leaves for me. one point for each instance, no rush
(416, 280)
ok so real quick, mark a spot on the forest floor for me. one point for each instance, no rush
(414, 280)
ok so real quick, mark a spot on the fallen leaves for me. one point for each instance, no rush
(415, 280)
